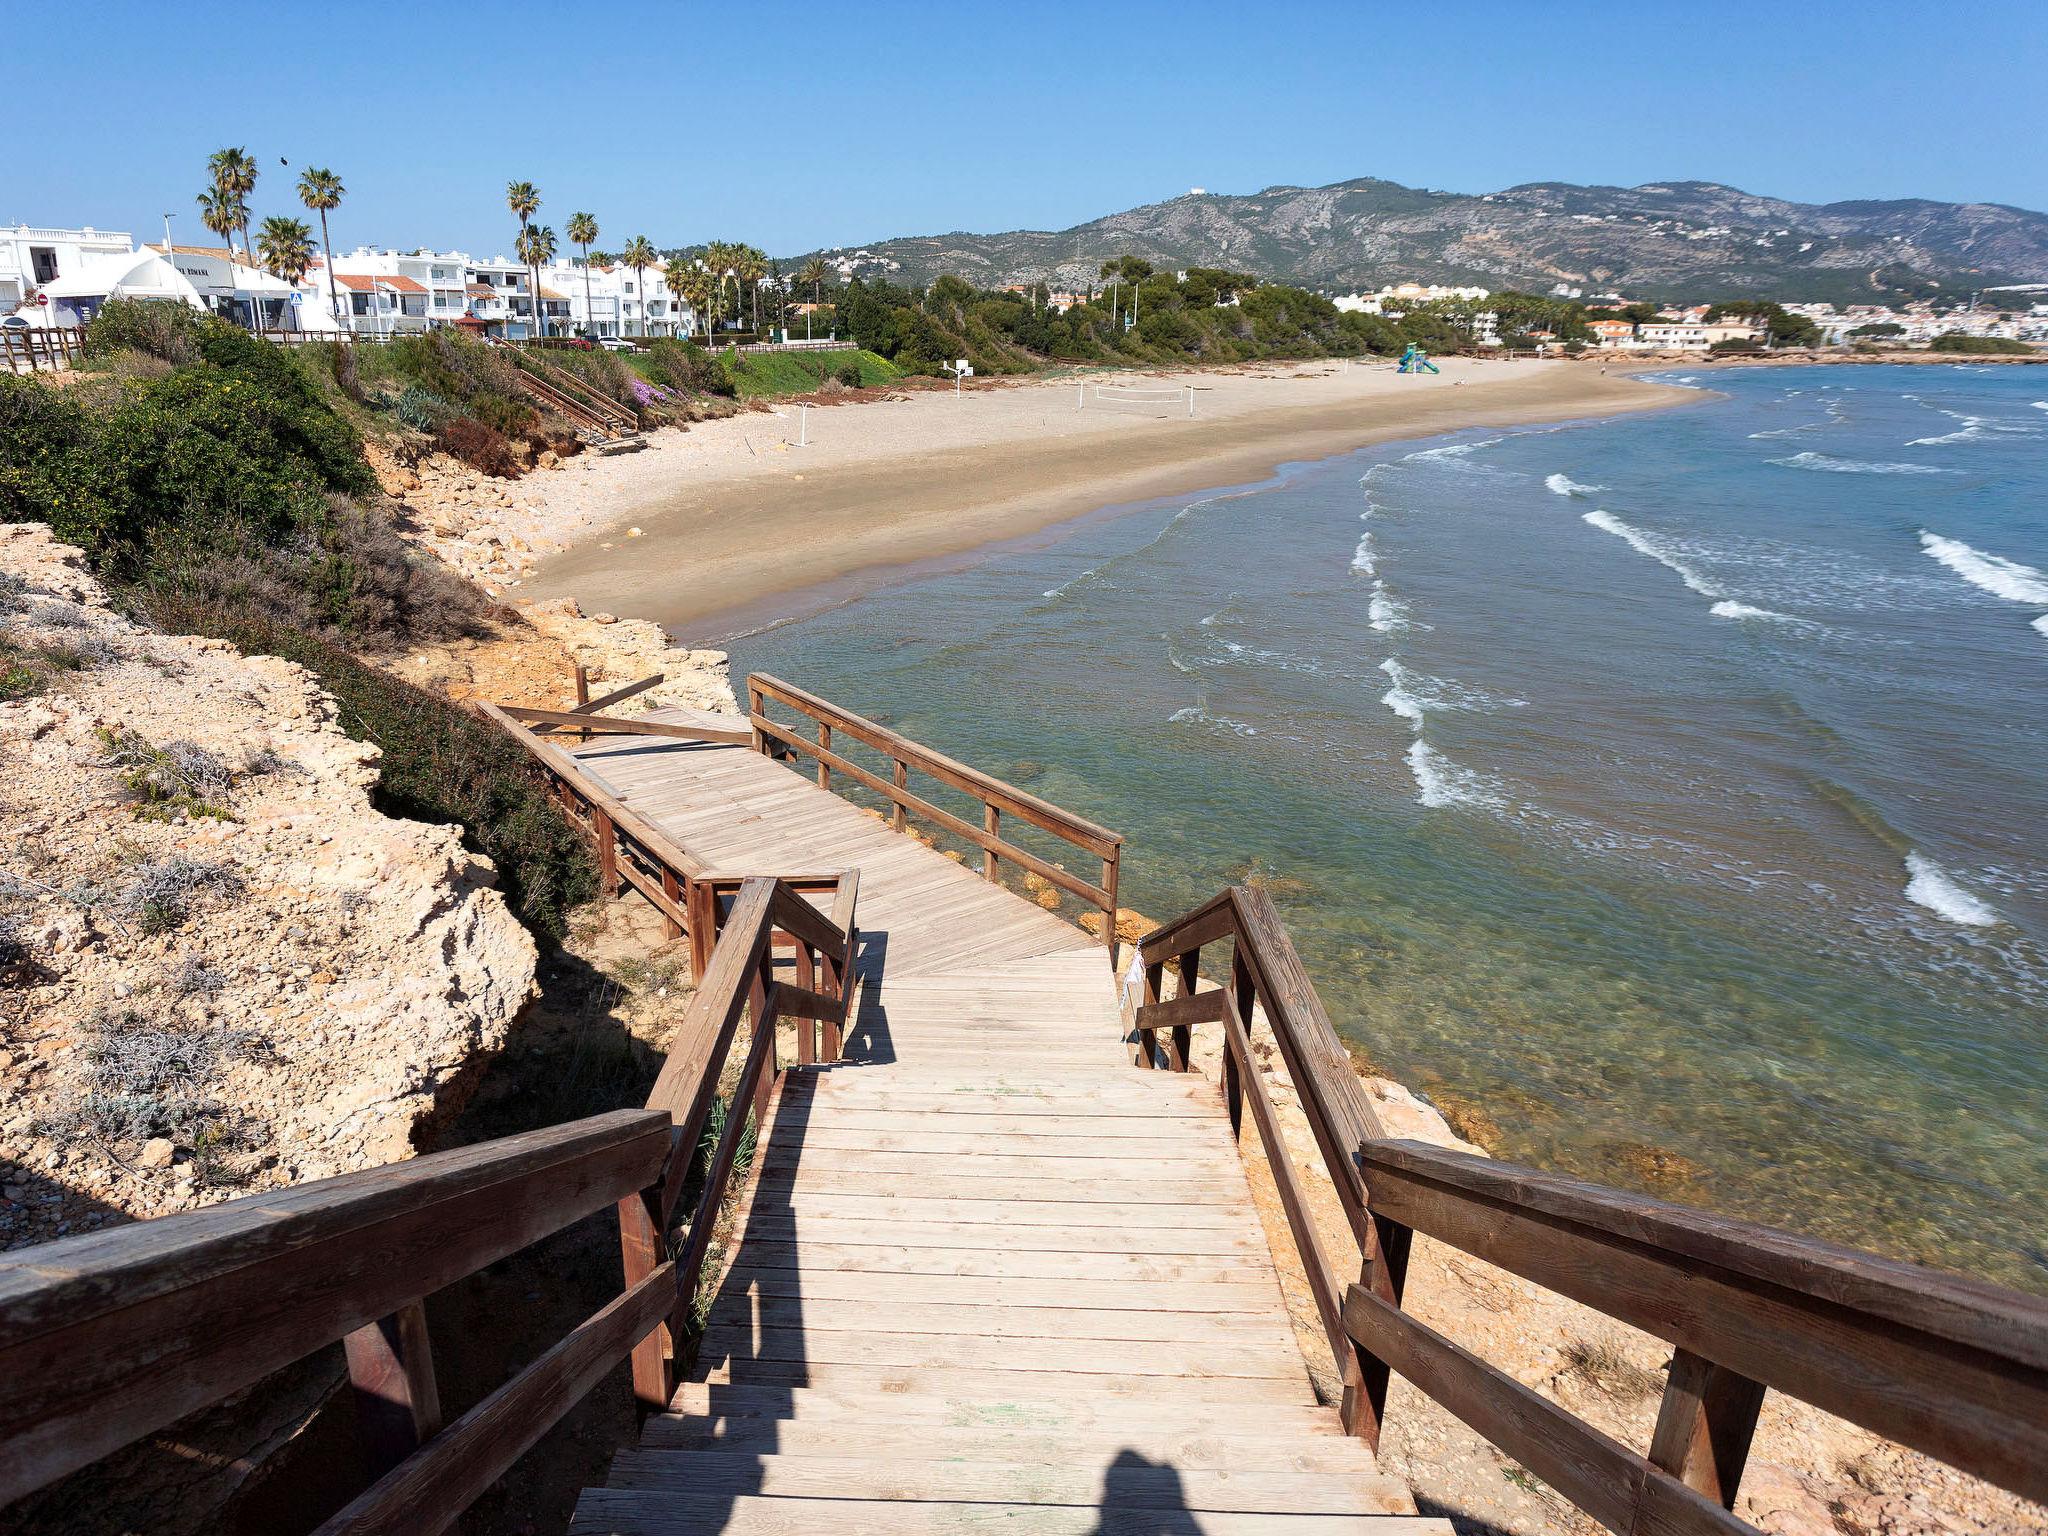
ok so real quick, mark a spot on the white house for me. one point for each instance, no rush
(32, 256)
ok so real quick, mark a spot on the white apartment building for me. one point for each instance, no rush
(1402, 297)
(32, 255)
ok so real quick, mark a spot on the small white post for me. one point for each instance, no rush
(1191, 402)
(803, 425)
(1081, 396)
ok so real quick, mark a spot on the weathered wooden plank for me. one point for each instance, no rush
(1068, 1412)
(824, 1290)
(1246, 1391)
(893, 1232)
(1620, 1489)
(738, 1310)
(429, 1491)
(802, 1205)
(856, 1476)
(201, 1304)
(627, 725)
(765, 1254)
(1285, 1450)
(625, 1512)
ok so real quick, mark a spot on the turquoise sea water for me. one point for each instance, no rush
(1674, 789)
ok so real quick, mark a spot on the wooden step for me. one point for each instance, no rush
(1112, 1474)
(1316, 1454)
(1274, 1358)
(957, 1403)
(762, 1256)
(920, 1441)
(630, 1512)
(746, 1305)
(997, 1235)
(740, 1309)
(1250, 1392)
(822, 1180)
(1189, 1215)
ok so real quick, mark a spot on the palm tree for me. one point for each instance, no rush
(523, 198)
(234, 173)
(720, 257)
(322, 192)
(640, 254)
(676, 278)
(287, 248)
(813, 272)
(537, 249)
(751, 265)
(583, 231)
(692, 291)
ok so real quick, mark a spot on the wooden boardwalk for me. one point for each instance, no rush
(989, 1274)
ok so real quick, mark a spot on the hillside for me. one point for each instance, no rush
(1690, 239)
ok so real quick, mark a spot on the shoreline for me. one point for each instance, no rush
(731, 518)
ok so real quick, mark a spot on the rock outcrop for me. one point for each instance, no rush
(226, 970)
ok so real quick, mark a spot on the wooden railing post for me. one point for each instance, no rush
(642, 1251)
(1384, 1272)
(701, 908)
(806, 1029)
(1111, 868)
(391, 1369)
(900, 818)
(607, 849)
(1243, 993)
(1704, 1426)
(992, 824)
(758, 995)
(672, 888)
(824, 745)
(1187, 967)
(757, 704)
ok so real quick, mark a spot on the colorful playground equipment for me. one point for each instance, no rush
(1415, 360)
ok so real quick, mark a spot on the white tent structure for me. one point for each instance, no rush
(73, 299)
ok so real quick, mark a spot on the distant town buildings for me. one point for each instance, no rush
(52, 276)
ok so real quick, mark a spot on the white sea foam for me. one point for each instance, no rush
(1194, 714)
(1995, 574)
(1408, 703)
(1440, 782)
(1935, 888)
(1362, 560)
(1644, 544)
(1973, 429)
(1834, 466)
(1734, 610)
(1386, 613)
(2042, 624)
(1564, 485)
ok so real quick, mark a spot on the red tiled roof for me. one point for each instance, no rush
(357, 282)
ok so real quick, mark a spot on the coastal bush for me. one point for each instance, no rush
(685, 366)
(1997, 346)
(483, 448)
(849, 373)
(421, 409)
(151, 326)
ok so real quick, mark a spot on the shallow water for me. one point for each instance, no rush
(1671, 788)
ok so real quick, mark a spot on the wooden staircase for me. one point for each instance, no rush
(990, 1276)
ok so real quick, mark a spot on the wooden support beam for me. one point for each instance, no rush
(1704, 1426)
(391, 1371)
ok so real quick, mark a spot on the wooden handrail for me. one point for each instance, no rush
(633, 851)
(1950, 1366)
(203, 1304)
(997, 798)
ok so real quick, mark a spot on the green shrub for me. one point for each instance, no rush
(1981, 346)
(685, 366)
(169, 331)
(420, 409)
(848, 373)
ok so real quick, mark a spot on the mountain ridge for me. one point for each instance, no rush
(1662, 239)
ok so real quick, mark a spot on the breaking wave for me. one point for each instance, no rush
(1995, 574)
(1363, 560)
(1412, 694)
(1564, 485)
(1643, 544)
(1194, 714)
(1386, 613)
(1834, 466)
(1440, 782)
(1932, 887)
(1728, 609)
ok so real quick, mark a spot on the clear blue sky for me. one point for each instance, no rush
(831, 125)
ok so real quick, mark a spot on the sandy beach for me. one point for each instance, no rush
(711, 531)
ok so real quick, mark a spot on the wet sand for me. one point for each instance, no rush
(734, 519)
